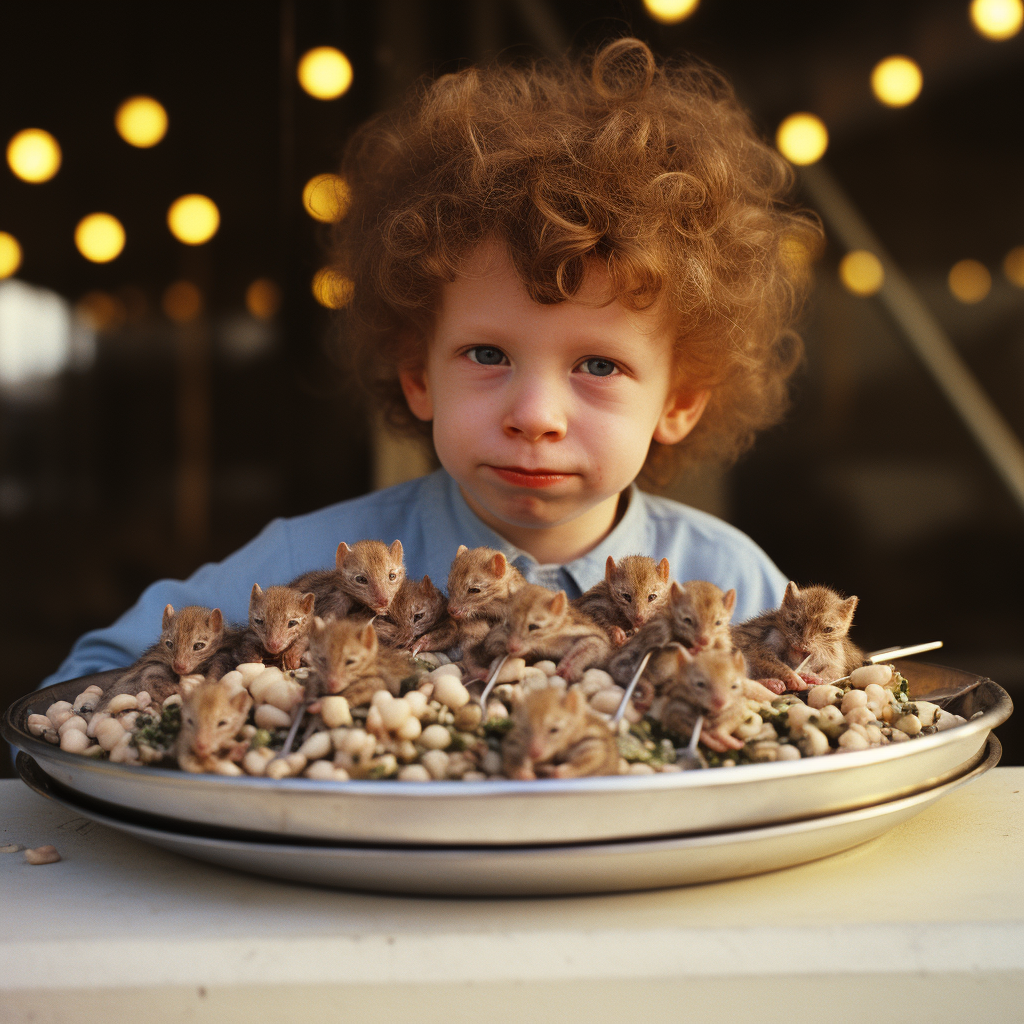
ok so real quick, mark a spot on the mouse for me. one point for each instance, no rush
(633, 589)
(280, 619)
(364, 581)
(417, 619)
(211, 717)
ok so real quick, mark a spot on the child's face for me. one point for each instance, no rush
(544, 413)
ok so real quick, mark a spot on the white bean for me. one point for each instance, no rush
(495, 709)
(797, 716)
(175, 698)
(909, 724)
(749, 727)
(122, 702)
(322, 770)
(417, 701)
(128, 719)
(813, 742)
(318, 745)
(267, 716)
(353, 741)
(512, 671)
(38, 724)
(592, 681)
(94, 722)
(927, 712)
(123, 752)
(42, 855)
(255, 761)
(878, 694)
(413, 773)
(249, 670)
(608, 701)
(830, 715)
(945, 720)
(233, 680)
(266, 678)
(436, 762)
(86, 697)
(823, 695)
(449, 691)
(334, 710)
(861, 677)
(74, 722)
(445, 670)
(853, 699)
(547, 667)
(283, 694)
(410, 729)
(74, 741)
(109, 733)
(534, 679)
(435, 737)
(396, 713)
(380, 698)
(59, 712)
(860, 716)
(639, 768)
(787, 752)
(853, 740)
(375, 722)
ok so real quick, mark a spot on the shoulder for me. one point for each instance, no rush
(702, 546)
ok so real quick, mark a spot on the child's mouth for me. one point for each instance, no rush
(530, 477)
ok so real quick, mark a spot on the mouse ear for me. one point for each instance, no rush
(558, 603)
(241, 700)
(663, 570)
(573, 700)
(609, 568)
(499, 565)
(847, 608)
(318, 623)
(676, 591)
(215, 621)
(308, 602)
(168, 617)
(683, 656)
(739, 662)
(461, 551)
(368, 637)
(256, 592)
(396, 550)
(729, 601)
(341, 554)
(792, 594)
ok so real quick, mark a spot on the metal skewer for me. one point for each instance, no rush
(491, 682)
(891, 653)
(688, 755)
(621, 710)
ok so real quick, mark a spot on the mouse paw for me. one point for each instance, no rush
(775, 685)
(811, 679)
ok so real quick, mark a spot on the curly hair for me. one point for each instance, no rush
(654, 173)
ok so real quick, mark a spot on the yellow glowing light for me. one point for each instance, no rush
(326, 198)
(34, 155)
(997, 19)
(263, 298)
(861, 272)
(896, 81)
(332, 290)
(141, 121)
(99, 237)
(670, 11)
(969, 281)
(802, 138)
(325, 72)
(10, 255)
(1013, 266)
(101, 311)
(182, 302)
(193, 219)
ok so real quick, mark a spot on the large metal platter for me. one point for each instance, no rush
(548, 811)
(533, 870)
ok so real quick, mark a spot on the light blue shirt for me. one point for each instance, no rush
(431, 519)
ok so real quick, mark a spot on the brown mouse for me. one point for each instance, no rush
(363, 582)
(813, 621)
(632, 590)
(539, 625)
(417, 619)
(280, 619)
(211, 717)
(555, 735)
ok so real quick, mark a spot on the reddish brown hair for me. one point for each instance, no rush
(654, 173)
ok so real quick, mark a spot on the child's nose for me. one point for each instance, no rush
(536, 412)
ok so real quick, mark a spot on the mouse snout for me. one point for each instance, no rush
(456, 611)
(181, 667)
(536, 750)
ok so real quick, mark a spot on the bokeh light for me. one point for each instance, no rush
(802, 138)
(1013, 266)
(896, 81)
(668, 12)
(101, 311)
(34, 155)
(263, 298)
(325, 72)
(332, 290)
(326, 198)
(99, 237)
(861, 272)
(969, 281)
(193, 219)
(997, 19)
(10, 255)
(182, 302)
(141, 121)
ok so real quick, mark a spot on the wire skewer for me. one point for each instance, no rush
(490, 682)
(621, 710)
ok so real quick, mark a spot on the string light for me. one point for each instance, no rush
(861, 272)
(34, 155)
(326, 198)
(102, 312)
(802, 139)
(141, 121)
(1013, 266)
(193, 219)
(332, 290)
(325, 73)
(997, 19)
(99, 237)
(10, 255)
(668, 12)
(182, 302)
(896, 81)
(263, 298)
(969, 281)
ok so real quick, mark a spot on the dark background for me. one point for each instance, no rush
(872, 485)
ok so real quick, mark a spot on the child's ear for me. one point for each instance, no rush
(416, 388)
(682, 411)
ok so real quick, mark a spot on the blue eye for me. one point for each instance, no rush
(486, 356)
(598, 367)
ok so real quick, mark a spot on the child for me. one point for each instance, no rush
(568, 276)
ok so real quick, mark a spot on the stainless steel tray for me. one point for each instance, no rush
(533, 870)
(548, 811)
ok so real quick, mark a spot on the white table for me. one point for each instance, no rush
(924, 924)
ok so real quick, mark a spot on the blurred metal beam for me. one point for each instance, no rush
(931, 344)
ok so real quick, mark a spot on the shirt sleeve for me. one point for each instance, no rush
(226, 585)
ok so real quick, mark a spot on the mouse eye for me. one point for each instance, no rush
(553, 729)
(533, 626)
(417, 616)
(828, 629)
(360, 579)
(652, 597)
(169, 643)
(222, 723)
(393, 576)
(473, 590)
(350, 661)
(292, 623)
(718, 622)
(258, 622)
(198, 645)
(627, 598)
(700, 684)
(688, 621)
